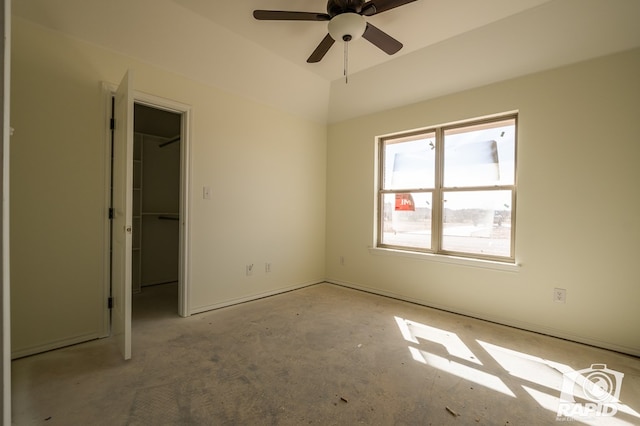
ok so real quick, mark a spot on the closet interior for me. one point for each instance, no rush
(156, 197)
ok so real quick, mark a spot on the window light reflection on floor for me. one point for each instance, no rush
(528, 367)
(411, 331)
(460, 370)
(543, 379)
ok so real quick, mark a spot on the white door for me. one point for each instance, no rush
(122, 215)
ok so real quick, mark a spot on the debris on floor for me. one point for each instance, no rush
(453, 413)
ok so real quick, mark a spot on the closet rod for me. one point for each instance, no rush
(168, 218)
(174, 140)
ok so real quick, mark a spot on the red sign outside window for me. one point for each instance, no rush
(404, 202)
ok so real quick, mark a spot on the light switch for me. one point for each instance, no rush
(206, 193)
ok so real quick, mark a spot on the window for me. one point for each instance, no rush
(450, 190)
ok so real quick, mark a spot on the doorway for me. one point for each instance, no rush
(156, 212)
(129, 271)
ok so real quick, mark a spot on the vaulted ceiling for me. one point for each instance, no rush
(449, 45)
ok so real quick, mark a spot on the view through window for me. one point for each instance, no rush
(450, 190)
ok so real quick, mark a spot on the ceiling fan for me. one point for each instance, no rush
(346, 23)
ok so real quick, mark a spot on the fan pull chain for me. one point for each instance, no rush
(346, 62)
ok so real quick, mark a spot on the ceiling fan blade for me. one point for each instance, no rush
(374, 7)
(381, 39)
(281, 15)
(321, 50)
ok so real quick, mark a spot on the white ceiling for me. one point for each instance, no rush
(449, 45)
(417, 25)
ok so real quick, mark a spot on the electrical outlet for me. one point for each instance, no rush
(250, 269)
(560, 295)
(267, 267)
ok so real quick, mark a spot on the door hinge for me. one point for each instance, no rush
(112, 124)
(110, 213)
(110, 303)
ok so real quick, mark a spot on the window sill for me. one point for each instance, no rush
(476, 263)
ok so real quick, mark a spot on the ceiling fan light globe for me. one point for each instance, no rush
(347, 24)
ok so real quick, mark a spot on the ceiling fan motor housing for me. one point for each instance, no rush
(336, 7)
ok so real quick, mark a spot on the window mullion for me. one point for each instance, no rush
(479, 188)
(381, 187)
(436, 213)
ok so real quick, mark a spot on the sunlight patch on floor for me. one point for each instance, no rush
(587, 395)
(460, 370)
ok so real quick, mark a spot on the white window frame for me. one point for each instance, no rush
(439, 189)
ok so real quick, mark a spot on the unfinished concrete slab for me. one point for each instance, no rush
(321, 355)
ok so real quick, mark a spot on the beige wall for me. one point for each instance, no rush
(266, 170)
(578, 225)
(577, 220)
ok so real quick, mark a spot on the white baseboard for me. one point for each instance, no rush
(231, 302)
(55, 344)
(536, 328)
(523, 325)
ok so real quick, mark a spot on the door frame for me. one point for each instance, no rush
(184, 264)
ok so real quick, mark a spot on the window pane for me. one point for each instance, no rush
(410, 162)
(480, 155)
(477, 222)
(407, 219)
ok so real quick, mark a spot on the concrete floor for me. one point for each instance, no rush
(320, 355)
